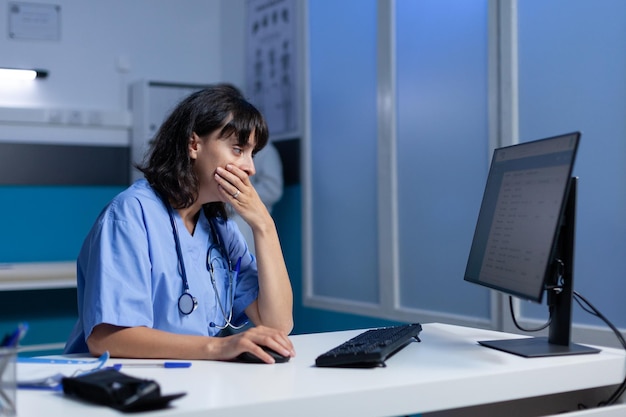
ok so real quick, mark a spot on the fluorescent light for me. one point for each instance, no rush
(11, 74)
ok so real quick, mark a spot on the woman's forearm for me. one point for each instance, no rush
(145, 342)
(275, 302)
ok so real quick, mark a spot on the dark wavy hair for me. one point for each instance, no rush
(167, 165)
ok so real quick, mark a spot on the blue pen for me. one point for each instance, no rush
(169, 365)
(14, 338)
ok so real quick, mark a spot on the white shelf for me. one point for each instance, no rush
(37, 275)
(94, 118)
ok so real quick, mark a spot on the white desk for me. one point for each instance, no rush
(447, 370)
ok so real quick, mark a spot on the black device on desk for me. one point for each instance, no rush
(523, 245)
(370, 348)
(248, 357)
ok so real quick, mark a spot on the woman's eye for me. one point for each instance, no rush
(238, 151)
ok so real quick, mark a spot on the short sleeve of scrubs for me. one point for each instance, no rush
(115, 257)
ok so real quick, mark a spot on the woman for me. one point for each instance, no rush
(163, 271)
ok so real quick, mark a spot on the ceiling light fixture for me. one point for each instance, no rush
(13, 74)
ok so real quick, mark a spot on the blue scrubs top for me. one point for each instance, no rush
(128, 273)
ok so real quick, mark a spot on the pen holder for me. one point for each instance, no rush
(8, 381)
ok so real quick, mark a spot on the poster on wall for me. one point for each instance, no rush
(271, 76)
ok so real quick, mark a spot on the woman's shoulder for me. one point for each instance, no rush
(137, 198)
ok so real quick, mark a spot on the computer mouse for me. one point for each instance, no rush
(248, 357)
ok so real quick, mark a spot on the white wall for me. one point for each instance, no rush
(162, 40)
(233, 41)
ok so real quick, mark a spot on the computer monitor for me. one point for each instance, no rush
(523, 243)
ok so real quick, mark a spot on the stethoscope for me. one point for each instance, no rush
(187, 303)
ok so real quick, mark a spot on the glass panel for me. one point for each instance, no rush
(343, 148)
(442, 150)
(572, 79)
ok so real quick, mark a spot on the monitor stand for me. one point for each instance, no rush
(536, 347)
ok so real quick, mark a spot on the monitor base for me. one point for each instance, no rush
(536, 347)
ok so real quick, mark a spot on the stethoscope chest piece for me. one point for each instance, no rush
(187, 303)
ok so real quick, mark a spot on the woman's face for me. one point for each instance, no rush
(210, 152)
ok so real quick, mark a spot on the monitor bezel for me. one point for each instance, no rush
(548, 273)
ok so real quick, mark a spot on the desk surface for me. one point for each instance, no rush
(447, 370)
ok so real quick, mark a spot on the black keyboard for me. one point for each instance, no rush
(370, 348)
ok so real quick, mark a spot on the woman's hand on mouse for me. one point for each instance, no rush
(252, 341)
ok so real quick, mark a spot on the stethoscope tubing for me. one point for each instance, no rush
(187, 303)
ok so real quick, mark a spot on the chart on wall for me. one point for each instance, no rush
(271, 83)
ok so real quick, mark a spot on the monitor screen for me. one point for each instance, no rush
(520, 215)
